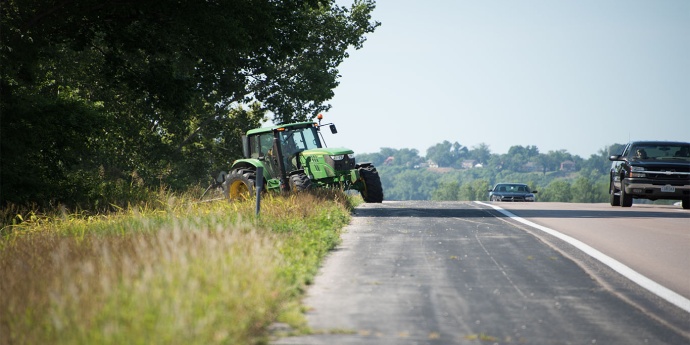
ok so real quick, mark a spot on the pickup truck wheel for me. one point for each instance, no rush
(686, 203)
(239, 184)
(625, 199)
(614, 199)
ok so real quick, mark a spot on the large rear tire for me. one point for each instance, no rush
(239, 184)
(372, 192)
(686, 203)
(614, 199)
(625, 199)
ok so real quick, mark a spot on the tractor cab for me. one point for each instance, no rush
(294, 157)
(279, 147)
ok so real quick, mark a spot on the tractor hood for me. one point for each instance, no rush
(329, 151)
(328, 162)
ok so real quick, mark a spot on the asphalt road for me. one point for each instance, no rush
(652, 239)
(464, 273)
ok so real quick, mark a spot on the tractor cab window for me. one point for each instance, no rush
(299, 140)
(261, 145)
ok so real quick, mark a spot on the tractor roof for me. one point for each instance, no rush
(286, 126)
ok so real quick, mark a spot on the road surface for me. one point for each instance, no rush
(653, 239)
(463, 273)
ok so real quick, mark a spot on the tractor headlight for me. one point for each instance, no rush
(341, 157)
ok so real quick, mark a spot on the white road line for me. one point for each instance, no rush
(652, 286)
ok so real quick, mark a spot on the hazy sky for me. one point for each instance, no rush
(574, 75)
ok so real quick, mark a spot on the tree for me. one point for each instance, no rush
(446, 192)
(544, 161)
(475, 190)
(408, 184)
(583, 190)
(441, 154)
(557, 191)
(519, 157)
(404, 157)
(527, 152)
(558, 157)
(407, 157)
(481, 153)
(151, 87)
(375, 158)
(600, 162)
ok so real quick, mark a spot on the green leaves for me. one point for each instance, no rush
(162, 86)
(296, 76)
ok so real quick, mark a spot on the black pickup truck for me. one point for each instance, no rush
(651, 170)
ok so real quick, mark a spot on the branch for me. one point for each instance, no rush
(61, 5)
(44, 14)
(202, 125)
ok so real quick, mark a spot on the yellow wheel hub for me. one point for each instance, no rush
(239, 190)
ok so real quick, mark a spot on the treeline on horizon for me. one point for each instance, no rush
(101, 102)
(451, 171)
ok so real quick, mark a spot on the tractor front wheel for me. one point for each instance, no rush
(300, 182)
(372, 192)
(239, 184)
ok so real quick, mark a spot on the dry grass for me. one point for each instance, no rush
(182, 273)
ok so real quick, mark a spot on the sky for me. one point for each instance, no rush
(560, 75)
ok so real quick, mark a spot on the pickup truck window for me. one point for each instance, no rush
(659, 152)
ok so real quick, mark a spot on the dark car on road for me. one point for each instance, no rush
(651, 170)
(511, 192)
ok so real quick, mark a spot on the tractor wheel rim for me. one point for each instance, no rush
(238, 189)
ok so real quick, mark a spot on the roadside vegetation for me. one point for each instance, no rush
(172, 271)
(93, 93)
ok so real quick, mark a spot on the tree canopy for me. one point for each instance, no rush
(156, 92)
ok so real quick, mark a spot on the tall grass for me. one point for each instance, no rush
(176, 273)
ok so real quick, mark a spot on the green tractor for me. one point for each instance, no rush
(293, 157)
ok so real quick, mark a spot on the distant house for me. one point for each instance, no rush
(469, 163)
(431, 164)
(389, 160)
(568, 166)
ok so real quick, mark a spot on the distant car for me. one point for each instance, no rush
(651, 170)
(511, 192)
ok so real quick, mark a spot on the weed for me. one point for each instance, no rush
(169, 271)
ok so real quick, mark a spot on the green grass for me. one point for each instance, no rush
(175, 272)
